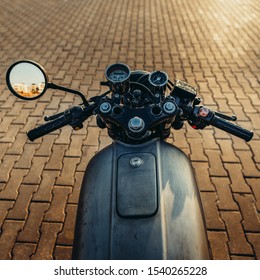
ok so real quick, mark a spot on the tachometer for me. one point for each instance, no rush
(158, 79)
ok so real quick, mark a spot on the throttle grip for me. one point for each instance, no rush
(47, 128)
(232, 128)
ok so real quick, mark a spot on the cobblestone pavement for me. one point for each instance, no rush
(211, 44)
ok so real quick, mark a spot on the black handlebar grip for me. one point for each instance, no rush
(47, 128)
(232, 128)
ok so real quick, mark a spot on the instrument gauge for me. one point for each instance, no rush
(117, 73)
(118, 76)
(158, 79)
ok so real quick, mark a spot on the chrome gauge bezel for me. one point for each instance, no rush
(161, 84)
(116, 67)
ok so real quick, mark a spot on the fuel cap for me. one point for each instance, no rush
(136, 162)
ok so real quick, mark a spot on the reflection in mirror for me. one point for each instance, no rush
(27, 80)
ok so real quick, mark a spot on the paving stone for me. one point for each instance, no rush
(213, 219)
(11, 134)
(67, 235)
(218, 244)
(67, 174)
(23, 251)
(22, 118)
(254, 118)
(239, 144)
(31, 230)
(202, 176)
(25, 160)
(3, 149)
(209, 142)
(197, 151)
(34, 175)
(63, 252)
(10, 231)
(31, 123)
(56, 212)
(6, 123)
(55, 162)
(10, 191)
(49, 232)
(255, 146)
(104, 142)
(5, 206)
(227, 154)
(231, 99)
(44, 191)
(179, 139)
(87, 153)
(74, 196)
(251, 218)
(75, 146)
(220, 134)
(6, 166)
(237, 240)
(249, 167)
(225, 197)
(241, 257)
(17, 147)
(215, 163)
(20, 209)
(39, 110)
(254, 184)
(92, 136)
(238, 183)
(254, 239)
(64, 136)
(46, 146)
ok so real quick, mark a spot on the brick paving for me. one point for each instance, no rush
(213, 45)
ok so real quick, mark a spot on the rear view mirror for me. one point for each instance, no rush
(27, 80)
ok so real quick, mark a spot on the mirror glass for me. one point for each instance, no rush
(26, 80)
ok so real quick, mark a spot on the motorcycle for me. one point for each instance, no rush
(139, 198)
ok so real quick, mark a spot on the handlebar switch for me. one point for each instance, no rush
(201, 117)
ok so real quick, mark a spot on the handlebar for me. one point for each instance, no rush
(198, 117)
(47, 128)
(202, 116)
(232, 128)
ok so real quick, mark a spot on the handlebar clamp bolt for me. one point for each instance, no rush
(105, 107)
(169, 107)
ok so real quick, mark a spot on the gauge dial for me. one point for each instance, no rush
(117, 73)
(118, 76)
(158, 78)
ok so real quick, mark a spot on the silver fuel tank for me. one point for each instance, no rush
(140, 202)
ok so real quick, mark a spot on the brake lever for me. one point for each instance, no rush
(226, 117)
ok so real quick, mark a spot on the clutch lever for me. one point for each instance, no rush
(53, 117)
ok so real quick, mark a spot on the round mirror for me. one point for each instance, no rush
(26, 79)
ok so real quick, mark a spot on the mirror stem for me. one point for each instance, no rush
(80, 94)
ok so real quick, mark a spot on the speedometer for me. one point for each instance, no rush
(158, 79)
(117, 73)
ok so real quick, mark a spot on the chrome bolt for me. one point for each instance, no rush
(136, 124)
(105, 107)
(169, 107)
